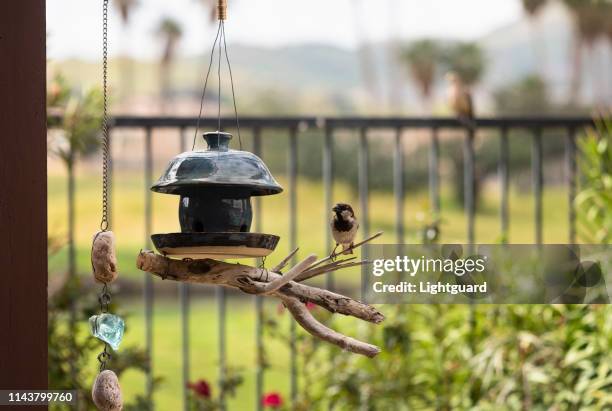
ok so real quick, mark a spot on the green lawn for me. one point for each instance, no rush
(204, 350)
(128, 217)
(128, 224)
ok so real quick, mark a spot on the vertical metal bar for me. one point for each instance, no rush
(468, 182)
(571, 182)
(259, 369)
(292, 189)
(183, 293)
(363, 201)
(363, 173)
(398, 186)
(148, 289)
(328, 180)
(504, 174)
(470, 210)
(538, 181)
(434, 172)
(221, 311)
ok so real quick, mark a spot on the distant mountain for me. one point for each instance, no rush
(294, 74)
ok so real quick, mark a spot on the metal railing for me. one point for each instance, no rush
(328, 127)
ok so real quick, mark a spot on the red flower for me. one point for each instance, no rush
(310, 306)
(201, 388)
(272, 400)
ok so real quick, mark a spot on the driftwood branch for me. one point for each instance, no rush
(293, 294)
(314, 327)
(284, 261)
(280, 281)
(347, 251)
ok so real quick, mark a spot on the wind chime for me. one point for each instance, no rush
(106, 392)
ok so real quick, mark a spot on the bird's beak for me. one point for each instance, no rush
(335, 209)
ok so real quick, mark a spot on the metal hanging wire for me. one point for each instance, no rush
(212, 56)
(229, 69)
(222, 47)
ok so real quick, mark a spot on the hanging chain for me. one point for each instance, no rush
(105, 135)
(105, 297)
(104, 357)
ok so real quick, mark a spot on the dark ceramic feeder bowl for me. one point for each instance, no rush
(214, 213)
(215, 188)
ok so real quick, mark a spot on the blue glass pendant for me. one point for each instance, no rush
(108, 328)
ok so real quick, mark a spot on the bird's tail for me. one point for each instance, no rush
(345, 249)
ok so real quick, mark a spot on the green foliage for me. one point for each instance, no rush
(81, 116)
(533, 6)
(467, 60)
(592, 18)
(526, 357)
(527, 96)
(422, 57)
(594, 202)
(202, 399)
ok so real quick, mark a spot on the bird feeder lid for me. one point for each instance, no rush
(239, 172)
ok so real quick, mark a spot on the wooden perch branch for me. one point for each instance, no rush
(280, 281)
(284, 261)
(347, 251)
(314, 327)
(253, 280)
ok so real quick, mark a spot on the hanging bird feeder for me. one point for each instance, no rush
(215, 188)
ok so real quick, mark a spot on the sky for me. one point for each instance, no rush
(74, 26)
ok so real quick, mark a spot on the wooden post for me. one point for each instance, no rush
(23, 202)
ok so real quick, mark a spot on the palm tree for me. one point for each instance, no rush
(170, 32)
(591, 19)
(592, 24)
(210, 6)
(125, 7)
(467, 60)
(422, 58)
(365, 54)
(532, 8)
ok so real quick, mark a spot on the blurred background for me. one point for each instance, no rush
(539, 70)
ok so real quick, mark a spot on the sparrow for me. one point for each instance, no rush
(344, 226)
(460, 99)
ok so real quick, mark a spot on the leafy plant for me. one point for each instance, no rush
(524, 357)
(594, 202)
(202, 398)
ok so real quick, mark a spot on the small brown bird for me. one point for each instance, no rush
(460, 98)
(344, 226)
